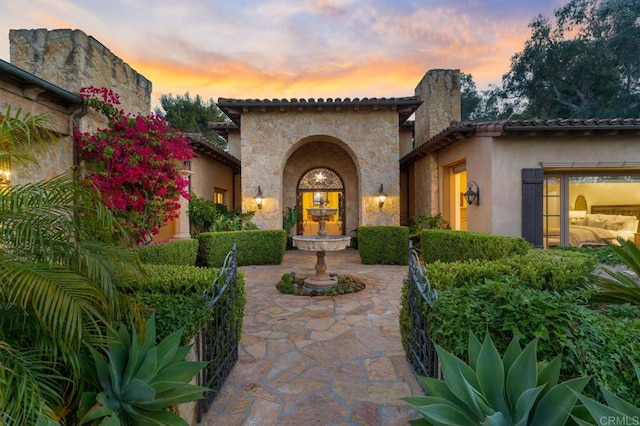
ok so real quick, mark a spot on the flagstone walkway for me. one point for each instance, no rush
(319, 360)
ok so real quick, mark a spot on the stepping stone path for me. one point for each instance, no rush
(319, 360)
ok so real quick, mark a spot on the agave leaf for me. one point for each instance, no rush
(423, 401)
(496, 419)
(599, 411)
(149, 367)
(180, 354)
(111, 421)
(580, 422)
(550, 373)
(523, 374)
(419, 422)
(95, 413)
(556, 405)
(510, 355)
(490, 371)
(179, 372)
(87, 401)
(102, 370)
(446, 414)
(167, 348)
(524, 405)
(136, 355)
(179, 395)
(474, 350)
(159, 418)
(138, 392)
(117, 360)
(440, 389)
(455, 372)
(620, 404)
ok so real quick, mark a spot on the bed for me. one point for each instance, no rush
(605, 223)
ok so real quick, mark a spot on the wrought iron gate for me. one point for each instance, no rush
(420, 298)
(219, 339)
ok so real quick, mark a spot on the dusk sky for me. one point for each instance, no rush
(292, 48)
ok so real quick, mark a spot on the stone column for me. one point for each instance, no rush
(182, 222)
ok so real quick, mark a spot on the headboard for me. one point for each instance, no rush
(618, 209)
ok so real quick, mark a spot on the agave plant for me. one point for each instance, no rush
(617, 411)
(620, 287)
(140, 381)
(514, 389)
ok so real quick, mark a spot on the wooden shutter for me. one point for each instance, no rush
(532, 181)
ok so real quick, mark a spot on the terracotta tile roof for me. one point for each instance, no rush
(234, 108)
(204, 147)
(222, 128)
(457, 131)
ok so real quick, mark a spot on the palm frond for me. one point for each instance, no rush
(619, 287)
(29, 386)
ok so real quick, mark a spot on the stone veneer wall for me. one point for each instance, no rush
(70, 59)
(440, 92)
(269, 139)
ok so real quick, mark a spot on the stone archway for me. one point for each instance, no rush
(314, 184)
(323, 152)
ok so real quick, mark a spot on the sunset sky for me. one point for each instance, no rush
(292, 48)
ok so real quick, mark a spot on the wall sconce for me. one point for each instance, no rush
(473, 194)
(382, 197)
(258, 198)
(5, 177)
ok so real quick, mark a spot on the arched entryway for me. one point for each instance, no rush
(315, 184)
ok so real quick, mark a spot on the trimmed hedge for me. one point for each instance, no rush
(451, 246)
(255, 247)
(539, 269)
(175, 292)
(182, 252)
(383, 245)
(602, 344)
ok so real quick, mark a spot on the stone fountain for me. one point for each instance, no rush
(321, 243)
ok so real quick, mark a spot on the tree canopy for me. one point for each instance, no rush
(580, 65)
(192, 115)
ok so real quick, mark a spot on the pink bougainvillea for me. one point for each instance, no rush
(135, 163)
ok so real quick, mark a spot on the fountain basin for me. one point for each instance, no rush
(321, 211)
(317, 243)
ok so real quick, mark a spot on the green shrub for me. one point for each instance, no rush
(253, 247)
(175, 293)
(383, 245)
(591, 343)
(451, 246)
(540, 269)
(181, 252)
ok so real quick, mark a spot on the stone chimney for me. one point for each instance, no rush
(439, 91)
(70, 59)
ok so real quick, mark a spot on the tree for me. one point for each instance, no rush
(580, 65)
(482, 106)
(56, 263)
(192, 115)
(135, 163)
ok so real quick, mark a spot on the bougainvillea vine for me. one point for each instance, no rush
(135, 163)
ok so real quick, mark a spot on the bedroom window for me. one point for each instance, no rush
(589, 208)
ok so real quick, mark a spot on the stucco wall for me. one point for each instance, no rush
(208, 175)
(71, 59)
(371, 139)
(496, 164)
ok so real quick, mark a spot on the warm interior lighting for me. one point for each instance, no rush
(473, 194)
(382, 196)
(258, 198)
(5, 176)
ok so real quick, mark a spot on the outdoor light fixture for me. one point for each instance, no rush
(473, 194)
(258, 198)
(382, 197)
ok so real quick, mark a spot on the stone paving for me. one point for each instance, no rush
(319, 360)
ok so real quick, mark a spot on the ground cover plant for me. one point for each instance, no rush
(292, 284)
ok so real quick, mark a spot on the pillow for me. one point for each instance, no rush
(614, 226)
(593, 218)
(599, 223)
(630, 224)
